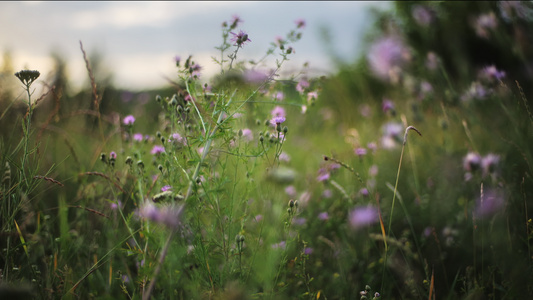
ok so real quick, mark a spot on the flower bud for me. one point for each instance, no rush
(129, 160)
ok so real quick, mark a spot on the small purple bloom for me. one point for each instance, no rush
(278, 111)
(290, 190)
(386, 56)
(324, 216)
(279, 96)
(327, 193)
(258, 218)
(491, 203)
(299, 221)
(129, 120)
(490, 73)
(300, 23)
(247, 134)
(471, 162)
(284, 156)
(138, 137)
(489, 163)
(363, 216)
(363, 191)
(253, 76)
(308, 250)
(168, 215)
(277, 120)
(112, 155)
(432, 61)
(387, 105)
(177, 60)
(280, 245)
(323, 175)
(484, 23)
(156, 150)
(360, 151)
(240, 38)
(312, 96)
(302, 85)
(166, 188)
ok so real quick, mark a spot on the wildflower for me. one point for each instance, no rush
(489, 163)
(177, 138)
(485, 22)
(166, 188)
(280, 245)
(177, 60)
(156, 150)
(372, 146)
(27, 77)
(425, 89)
(235, 21)
(240, 38)
(489, 203)
(300, 23)
(312, 96)
(129, 120)
(471, 162)
(391, 135)
(373, 171)
(363, 192)
(195, 70)
(327, 193)
(386, 56)
(112, 155)
(116, 205)
(290, 190)
(324, 216)
(277, 120)
(279, 96)
(490, 73)
(299, 221)
(360, 151)
(476, 91)
(363, 216)
(511, 9)
(308, 250)
(302, 85)
(168, 215)
(323, 175)
(258, 218)
(278, 111)
(247, 134)
(422, 15)
(284, 157)
(387, 105)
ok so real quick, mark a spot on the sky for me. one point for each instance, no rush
(139, 40)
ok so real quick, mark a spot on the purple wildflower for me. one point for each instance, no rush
(247, 134)
(138, 137)
(327, 193)
(324, 216)
(235, 20)
(363, 192)
(195, 71)
(177, 60)
(169, 215)
(240, 38)
(166, 188)
(490, 73)
(299, 221)
(489, 163)
(302, 85)
(284, 157)
(432, 61)
(392, 132)
(112, 155)
(290, 190)
(387, 105)
(386, 56)
(280, 245)
(156, 150)
(360, 151)
(300, 23)
(363, 216)
(277, 120)
(471, 162)
(129, 120)
(312, 96)
(323, 174)
(476, 91)
(279, 96)
(490, 203)
(308, 250)
(484, 23)
(253, 76)
(278, 111)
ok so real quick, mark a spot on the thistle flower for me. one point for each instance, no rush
(484, 23)
(278, 111)
(360, 151)
(166, 188)
(302, 85)
(277, 120)
(490, 73)
(112, 155)
(300, 23)
(156, 150)
(168, 215)
(240, 38)
(324, 216)
(471, 162)
(422, 15)
(489, 203)
(129, 120)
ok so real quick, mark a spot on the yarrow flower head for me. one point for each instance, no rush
(129, 120)
(240, 38)
(27, 77)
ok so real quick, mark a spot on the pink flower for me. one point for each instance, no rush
(138, 137)
(277, 120)
(302, 85)
(387, 105)
(386, 56)
(112, 155)
(279, 96)
(312, 96)
(129, 120)
(360, 151)
(156, 150)
(324, 216)
(278, 111)
(300, 23)
(166, 188)
(422, 15)
(484, 23)
(240, 38)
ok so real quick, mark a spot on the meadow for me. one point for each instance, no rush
(407, 174)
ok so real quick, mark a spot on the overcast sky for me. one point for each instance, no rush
(138, 40)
